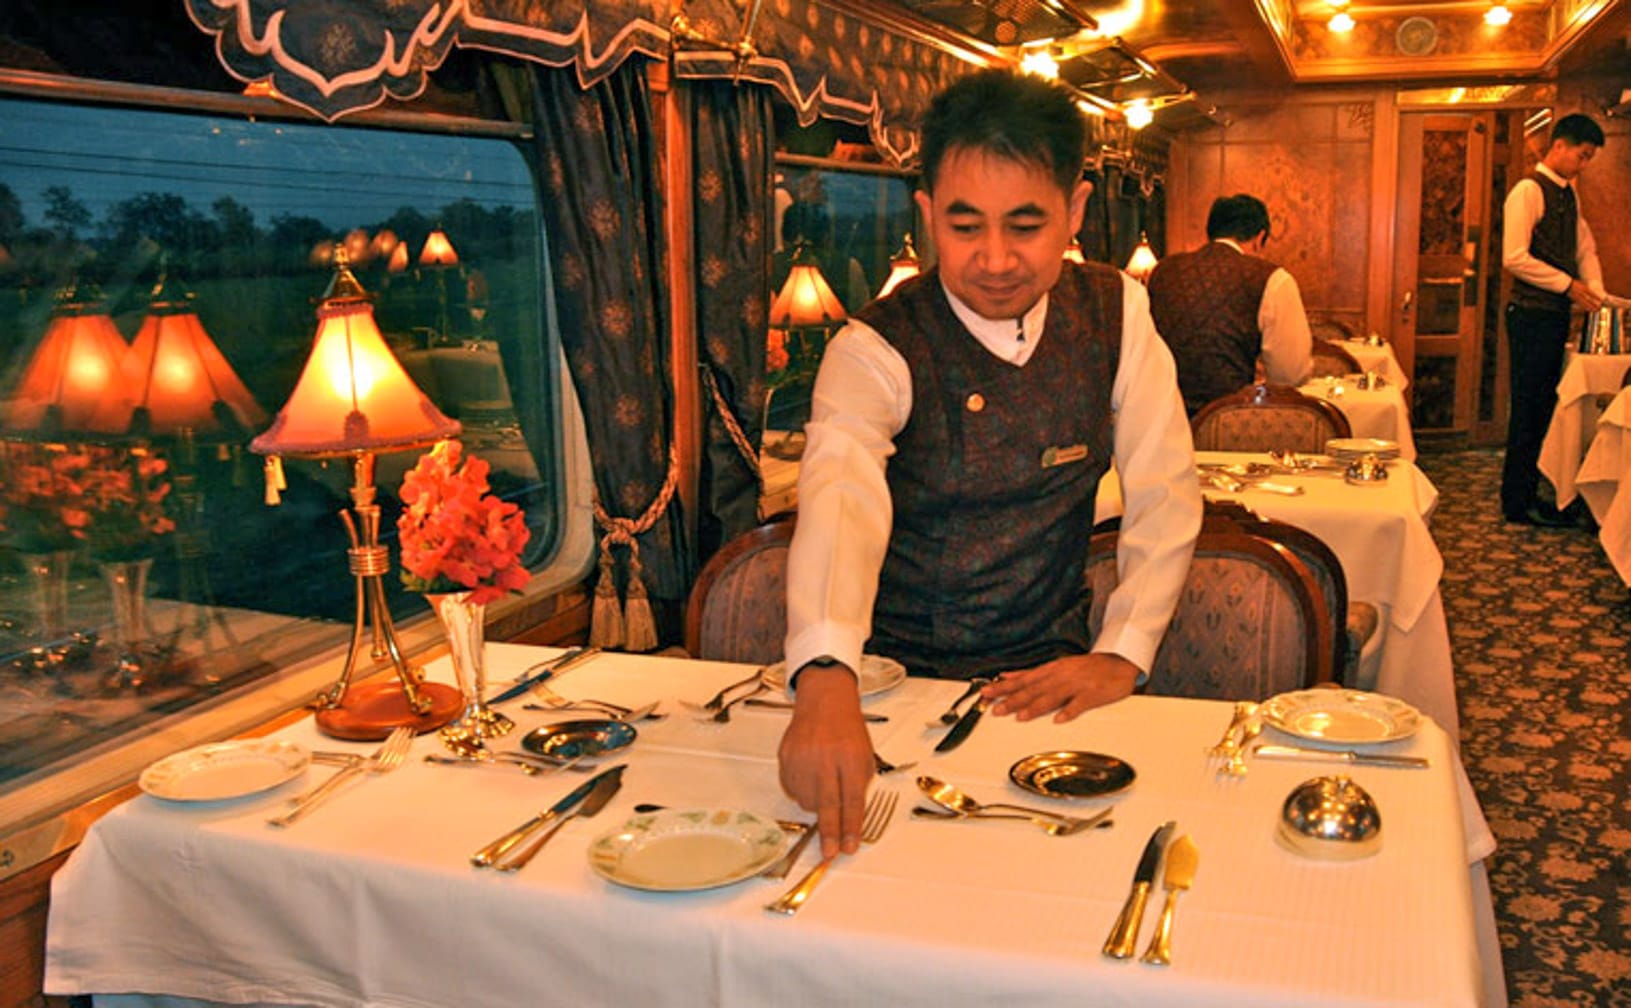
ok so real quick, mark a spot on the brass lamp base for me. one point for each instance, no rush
(370, 710)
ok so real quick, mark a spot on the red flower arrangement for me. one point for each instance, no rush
(455, 535)
(53, 498)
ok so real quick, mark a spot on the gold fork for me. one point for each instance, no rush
(386, 758)
(1227, 743)
(880, 808)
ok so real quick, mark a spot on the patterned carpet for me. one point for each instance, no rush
(1541, 628)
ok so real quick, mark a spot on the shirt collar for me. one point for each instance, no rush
(1231, 243)
(994, 333)
(1554, 176)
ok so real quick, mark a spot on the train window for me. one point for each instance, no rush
(239, 219)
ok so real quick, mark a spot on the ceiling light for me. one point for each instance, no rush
(1341, 21)
(1041, 63)
(1138, 114)
(1498, 15)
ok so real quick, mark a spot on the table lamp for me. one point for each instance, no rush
(806, 309)
(903, 266)
(438, 254)
(1073, 252)
(1142, 261)
(354, 400)
(73, 371)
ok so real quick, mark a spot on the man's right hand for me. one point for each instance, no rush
(1584, 296)
(826, 755)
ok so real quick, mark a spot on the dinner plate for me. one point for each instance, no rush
(224, 770)
(877, 674)
(676, 850)
(1352, 448)
(566, 740)
(1340, 717)
(1070, 774)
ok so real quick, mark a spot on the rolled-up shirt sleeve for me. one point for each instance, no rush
(1155, 460)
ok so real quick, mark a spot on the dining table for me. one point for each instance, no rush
(373, 899)
(1380, 532)
(1604, 481)
(1377, 358)
(1587, 378)
(1372, 412)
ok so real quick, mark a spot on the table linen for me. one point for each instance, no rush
(1604, 480)
(372, 901)
(1377, 360)
(1372, 413)
(1574, 419)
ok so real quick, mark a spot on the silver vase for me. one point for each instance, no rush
(464, 623)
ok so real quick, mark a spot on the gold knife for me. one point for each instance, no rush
(1123, 938)
(1183, 858)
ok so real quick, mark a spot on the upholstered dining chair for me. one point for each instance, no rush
(1262, 418)
(737, 610)
(1333, 361)
(1251, 620)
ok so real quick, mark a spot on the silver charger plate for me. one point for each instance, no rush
(1072, 774)
(567, 740)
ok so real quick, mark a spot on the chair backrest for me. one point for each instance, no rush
(1268, 418)
(1251, 620)
(1329, 328)
(1331, 360)
(738, 607)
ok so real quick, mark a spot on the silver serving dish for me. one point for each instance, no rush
(567, 740)
(1367, 470)
(1330, 818)
(1370, 380)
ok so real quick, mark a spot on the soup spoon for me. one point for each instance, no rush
(948, 796)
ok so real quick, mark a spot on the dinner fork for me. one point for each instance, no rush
(1236, 767)
(386, 758)
(1228, 743)
(880, 808)
(952, 713)
(718, 699)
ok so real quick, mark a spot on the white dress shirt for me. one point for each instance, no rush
(863, 398)
(1525, 205)
(1287, 352)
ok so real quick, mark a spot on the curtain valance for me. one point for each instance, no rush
(339, 56)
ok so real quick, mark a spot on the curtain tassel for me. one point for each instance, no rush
(606, 615)
(641, 628)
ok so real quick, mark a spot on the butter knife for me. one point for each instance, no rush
(553, 667)
(488, 855)
(1123, 937)
(1339, 756)
(965, 724)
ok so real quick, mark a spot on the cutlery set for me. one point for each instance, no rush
(1182, 858)
(386, 758)
(584, 800)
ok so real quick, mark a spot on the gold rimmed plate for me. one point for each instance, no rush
(1072, 774)
(1340, 717)
(222, 770)
(566, 740)
(678, 850)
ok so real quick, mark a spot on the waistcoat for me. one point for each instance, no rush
(1553, 243)
(1205, 305)
(993, 480)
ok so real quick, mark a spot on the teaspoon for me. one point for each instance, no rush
(949, 797)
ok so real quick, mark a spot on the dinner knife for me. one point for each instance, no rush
(606, 785)
(965, 724)
(1123, 937)
(551, 668)
(1340, 756)
(485, 857)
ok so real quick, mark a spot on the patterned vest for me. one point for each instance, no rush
(1205, 305)
(1553, 243)
(993, 480)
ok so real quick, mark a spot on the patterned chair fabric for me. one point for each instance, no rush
(1250, 621)
(738, 608)
(1262, 418)
(1333, 361)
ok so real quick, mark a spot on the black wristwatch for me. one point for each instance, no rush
(819, 661)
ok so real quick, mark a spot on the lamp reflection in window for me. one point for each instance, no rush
(903, 266)
(1142, 261)
(803, 316)
(73, 372)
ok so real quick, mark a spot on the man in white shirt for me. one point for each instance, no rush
(958, 432)
(1549, 251)
(1222, 308)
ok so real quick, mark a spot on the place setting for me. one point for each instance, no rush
(1322, 725)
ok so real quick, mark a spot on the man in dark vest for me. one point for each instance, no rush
(958, 433)
(1223, 307)
(1549, 251)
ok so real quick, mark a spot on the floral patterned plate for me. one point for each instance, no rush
(677, 850)
(225, 770)
(1340, 717)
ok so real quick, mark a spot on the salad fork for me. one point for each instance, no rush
(880, 808)
(1228, 742)
(386, 758)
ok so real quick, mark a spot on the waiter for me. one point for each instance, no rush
(1552, 257)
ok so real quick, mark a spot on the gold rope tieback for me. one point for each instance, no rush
(630, 626)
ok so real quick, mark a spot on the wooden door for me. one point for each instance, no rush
(1440, 257)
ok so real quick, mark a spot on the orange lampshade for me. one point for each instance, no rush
(357, 245)
(384, 244)
(353, 395)
(805, 300)
(1141, 261)
(174, 379)
(438, 251)
(399, 258)
(73, 371)
(903, 266)
(1073, 252)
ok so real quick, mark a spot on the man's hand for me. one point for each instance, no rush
(1584, 296)
(826, 756)
(1066, 686)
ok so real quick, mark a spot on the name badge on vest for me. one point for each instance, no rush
(1058, 455)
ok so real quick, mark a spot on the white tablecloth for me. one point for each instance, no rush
(1585, 377)
(1380, 534)
(1604, 480)
(1372, 413)
(1378, 360)
(371, 901)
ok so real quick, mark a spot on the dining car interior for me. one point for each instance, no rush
(403, 409)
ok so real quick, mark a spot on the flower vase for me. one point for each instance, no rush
(48, 580)
(127, 587)
(464, 623)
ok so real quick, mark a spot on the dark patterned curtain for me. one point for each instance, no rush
(732, 131)
(598, 170)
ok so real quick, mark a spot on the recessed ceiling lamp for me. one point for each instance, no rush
(1138, 114)
(1498, 15)
(1341, 21)
(1041, 63)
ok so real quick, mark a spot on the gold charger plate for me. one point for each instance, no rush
(678, 850)
(1072, 774)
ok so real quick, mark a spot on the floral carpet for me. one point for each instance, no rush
(1541, 630)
